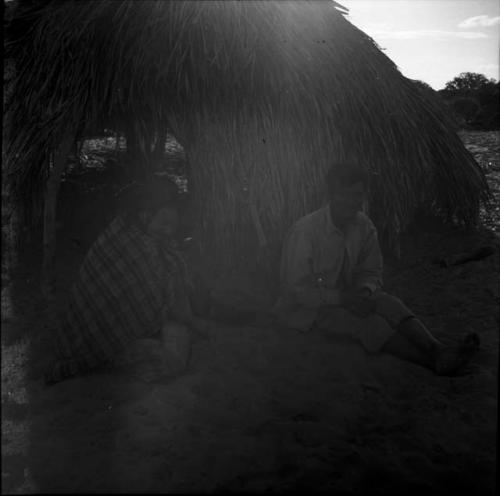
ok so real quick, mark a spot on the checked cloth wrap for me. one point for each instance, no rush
(126, 282)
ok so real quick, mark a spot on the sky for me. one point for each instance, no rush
(433, 40)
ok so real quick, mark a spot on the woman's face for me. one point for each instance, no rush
(164, 223)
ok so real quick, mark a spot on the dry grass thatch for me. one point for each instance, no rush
(263, 95)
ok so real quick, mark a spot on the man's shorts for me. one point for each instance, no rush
(372, 331)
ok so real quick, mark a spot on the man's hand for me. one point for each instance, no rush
(358, 301)
(310, 290)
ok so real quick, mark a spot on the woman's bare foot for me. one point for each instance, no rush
(449, 359)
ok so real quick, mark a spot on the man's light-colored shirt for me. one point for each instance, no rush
(319, 261)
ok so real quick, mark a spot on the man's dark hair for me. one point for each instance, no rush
(346, 174)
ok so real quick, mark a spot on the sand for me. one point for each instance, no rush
(261, 409)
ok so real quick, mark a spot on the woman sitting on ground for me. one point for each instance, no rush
(132, 278)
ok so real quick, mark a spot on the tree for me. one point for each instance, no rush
(468, 108)
(474, 99)
(468, 82)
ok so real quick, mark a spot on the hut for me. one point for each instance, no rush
(264, 96)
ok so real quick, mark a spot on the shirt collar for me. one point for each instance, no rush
(331, 228)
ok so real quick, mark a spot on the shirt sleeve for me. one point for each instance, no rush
(368, 271)
(297, 249)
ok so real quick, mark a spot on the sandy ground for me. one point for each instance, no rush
(261, 409)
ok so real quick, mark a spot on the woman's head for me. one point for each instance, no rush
(145, 201)
(164, 222)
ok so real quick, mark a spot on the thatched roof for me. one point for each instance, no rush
(263, 95)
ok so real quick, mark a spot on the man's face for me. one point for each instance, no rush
(346, 202)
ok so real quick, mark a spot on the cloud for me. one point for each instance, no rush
(480, 21)
(489, 69)
(424, 33)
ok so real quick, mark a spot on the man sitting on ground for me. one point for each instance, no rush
(331, 278)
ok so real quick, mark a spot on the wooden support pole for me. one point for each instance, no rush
(161, 141)
(10, 231)
(59, 161)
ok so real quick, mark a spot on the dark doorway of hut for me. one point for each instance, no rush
(97, 170)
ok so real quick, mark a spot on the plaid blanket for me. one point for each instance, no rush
(125, 284)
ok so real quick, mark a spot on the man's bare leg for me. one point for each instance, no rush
(403, 348)
(415, 331)
(338, 321)
(442, 359)
(445, 359)
(412, 341)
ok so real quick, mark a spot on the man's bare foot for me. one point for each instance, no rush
(450, 358)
